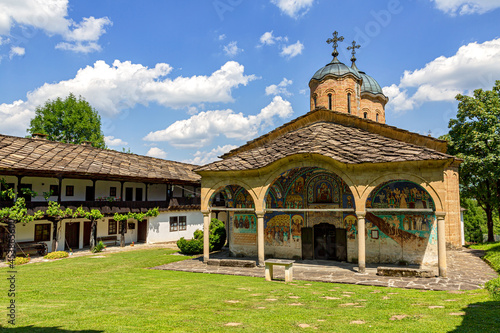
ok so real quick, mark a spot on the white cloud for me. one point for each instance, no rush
(79, 47)
(279, 89)
(473, 66)
(156, 152)
(204, 157)
(113, 142)
(232, 49)
(113, 88)
(292, 50)
(294, 8)
(268, 39)
(16, 51)
(200, 129)
(222, 37)
(465, 7)
(52, 18)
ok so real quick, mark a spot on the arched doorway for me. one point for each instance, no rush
(306, 215)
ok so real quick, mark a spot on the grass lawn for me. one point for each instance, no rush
(117, 294)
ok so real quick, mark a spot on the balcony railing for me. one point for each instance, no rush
(111, 207)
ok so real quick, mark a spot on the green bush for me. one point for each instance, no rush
(57, 255)
(21, 261)
(195, 245)
(99, 247)
(493, 286)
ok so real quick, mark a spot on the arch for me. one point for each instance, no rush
(349, 103)
(376, 117)
(400, 193)
(365, 115)
(215, 188)
(330, 101)
(438, 202)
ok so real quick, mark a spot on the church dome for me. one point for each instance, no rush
(369, 84)
(335, 68)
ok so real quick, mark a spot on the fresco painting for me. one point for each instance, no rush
(400, 194)
(245, 223)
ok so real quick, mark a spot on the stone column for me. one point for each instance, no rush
(260, 237)
(207, 217)
(441, 243)
(361, 242)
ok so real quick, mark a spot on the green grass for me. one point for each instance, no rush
(117, 294)
(492, 255)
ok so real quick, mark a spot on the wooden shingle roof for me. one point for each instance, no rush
(38, 157)
(348, 140)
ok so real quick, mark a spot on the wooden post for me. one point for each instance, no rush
(361, 242)
(207, 216)
(60, 190)
(260, 238)
(441, 244)
(11, 251)
(121, 189)
(55, 234)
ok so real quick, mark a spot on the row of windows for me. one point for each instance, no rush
(178, 223)
(330, 102)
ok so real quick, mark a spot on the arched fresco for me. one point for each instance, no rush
(296, 191)
(241, 225)
(400, 224)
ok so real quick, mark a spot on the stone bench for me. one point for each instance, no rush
(270, 263)
(405, 272)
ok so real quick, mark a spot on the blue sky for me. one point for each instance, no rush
(189, 80)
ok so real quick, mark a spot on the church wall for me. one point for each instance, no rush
(372, 106)
(243, 234)
(338, 87)
(452, 219)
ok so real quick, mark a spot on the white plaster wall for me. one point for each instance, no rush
(102, 188)
(177, 192)
(26, 233)
(80, 186)
(134, 186)
(40, 185)
(159, 227)
(157, 192)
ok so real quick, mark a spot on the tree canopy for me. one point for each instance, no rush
(70, 120)
(475, 137)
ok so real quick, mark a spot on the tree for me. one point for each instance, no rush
(474, 220)
(475, 137)
(70, 120)
(55, 215)
(93, 216)
(123, 218)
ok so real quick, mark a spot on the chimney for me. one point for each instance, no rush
(39, 136)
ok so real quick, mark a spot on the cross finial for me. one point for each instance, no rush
(353, 48)
(335, 40)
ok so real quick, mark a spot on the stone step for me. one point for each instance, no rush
(405, 272)
(231, 262)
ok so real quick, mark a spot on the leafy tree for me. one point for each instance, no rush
(474, 220)
(55, 215)
(94, 215)
(70, 120)
(217, 239)
(475, 137)
(123, 218)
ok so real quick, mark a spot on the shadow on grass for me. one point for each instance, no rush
(31, 328)
(480, 317)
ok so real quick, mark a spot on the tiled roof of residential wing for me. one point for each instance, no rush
(346, 144)
(49, 158)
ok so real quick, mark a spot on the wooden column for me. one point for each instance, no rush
(441, 244)
(361, 242)
(60, 179)
(260, 238)
(207, 216)
(146, 192)
(121, 190)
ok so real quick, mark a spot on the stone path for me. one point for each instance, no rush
(466, 271)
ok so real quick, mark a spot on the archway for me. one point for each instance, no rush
(299, 200)
(400, 224)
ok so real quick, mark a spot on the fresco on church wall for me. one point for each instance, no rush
(400, 194)
(245, 223)
(283, 229)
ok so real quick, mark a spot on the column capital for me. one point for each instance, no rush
(360, 215)
(440, 215)
(260, 213)
(206, 212)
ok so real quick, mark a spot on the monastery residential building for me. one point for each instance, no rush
(107, 180)
(337, 183)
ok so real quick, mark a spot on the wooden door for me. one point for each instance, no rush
(142, 231)
(87, 227)
(324, 241)
(341, 244)
(307, 243)
(72, 235)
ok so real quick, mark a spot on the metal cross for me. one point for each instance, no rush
(335, 41)
(353, 48)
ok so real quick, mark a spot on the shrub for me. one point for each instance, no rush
(56, 255)
(21, 261)
(193, 246)
(99, 247)
(493, 286)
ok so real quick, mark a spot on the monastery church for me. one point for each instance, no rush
(337, 183)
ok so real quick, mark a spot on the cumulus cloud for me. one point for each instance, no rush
(294, 8)
(16, 51)
(279, 89)
(52, 18)
(113, 142)
(202, 128)
(465, 7)
(232, 49)
(156, 152)
(222, 37)
(269, 39)
(205, 157)
(474, 66)
(122, 85)
(292, 50)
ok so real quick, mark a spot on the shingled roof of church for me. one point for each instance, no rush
(349, 141)
(39, 157)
